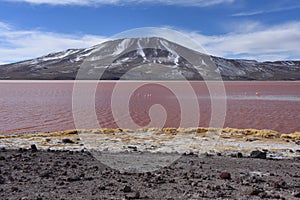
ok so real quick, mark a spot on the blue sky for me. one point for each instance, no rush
(251, 29)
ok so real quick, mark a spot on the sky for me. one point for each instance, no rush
(264, 30)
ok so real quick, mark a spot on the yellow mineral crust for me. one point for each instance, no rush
(225, 133)
(293, 136)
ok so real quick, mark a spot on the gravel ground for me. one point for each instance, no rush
(34, 174)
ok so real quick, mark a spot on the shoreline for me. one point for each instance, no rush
(167, 140)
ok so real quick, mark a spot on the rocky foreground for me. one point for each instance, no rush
(167, 163)
(34, 174)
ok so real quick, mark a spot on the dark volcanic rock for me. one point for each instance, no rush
(279, 184)
(254, 192)
(73, 178)
(127, 189)
(67, 141)
(225, 176)
(2, 180)
(33, 148)
(134, 148)
(296, 194)
(258, 154)
(237, 155)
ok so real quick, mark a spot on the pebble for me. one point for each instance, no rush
(253, 192)
(134, 195)
(45, 174)
(48, 139)
(225, 176)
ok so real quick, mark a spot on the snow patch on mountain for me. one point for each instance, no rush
(121, 47)
(60, 55)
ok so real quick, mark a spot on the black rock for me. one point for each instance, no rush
(279, 184)
(2, 180)
(67, 141)
(296, 194)
(189, 154)
(134, 148)
(263, 195)
(225, 175)
(258, 154)
(73, 179)
(33, 148)
(239, 155)
(254, 192)
(15, 189)
(127, 189)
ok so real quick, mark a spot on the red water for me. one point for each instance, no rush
(47, 106)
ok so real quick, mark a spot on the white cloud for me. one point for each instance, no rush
(199, 3)
(280, 42)
(16, 45)
(274, 43)
(259, 12)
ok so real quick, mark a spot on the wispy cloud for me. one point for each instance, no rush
(268, 43)
(278, 42)
(259, 12)
(16, 45)
(198, 3)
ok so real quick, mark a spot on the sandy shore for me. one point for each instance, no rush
(150, 164)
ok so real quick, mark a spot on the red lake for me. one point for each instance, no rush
(44, 106)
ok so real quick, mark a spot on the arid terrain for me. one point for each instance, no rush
(78, 175)
(104, 164)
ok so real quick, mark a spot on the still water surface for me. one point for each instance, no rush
(47, 106)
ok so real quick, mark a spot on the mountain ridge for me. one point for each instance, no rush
(150, 58)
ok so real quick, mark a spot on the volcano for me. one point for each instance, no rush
(145, 59)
